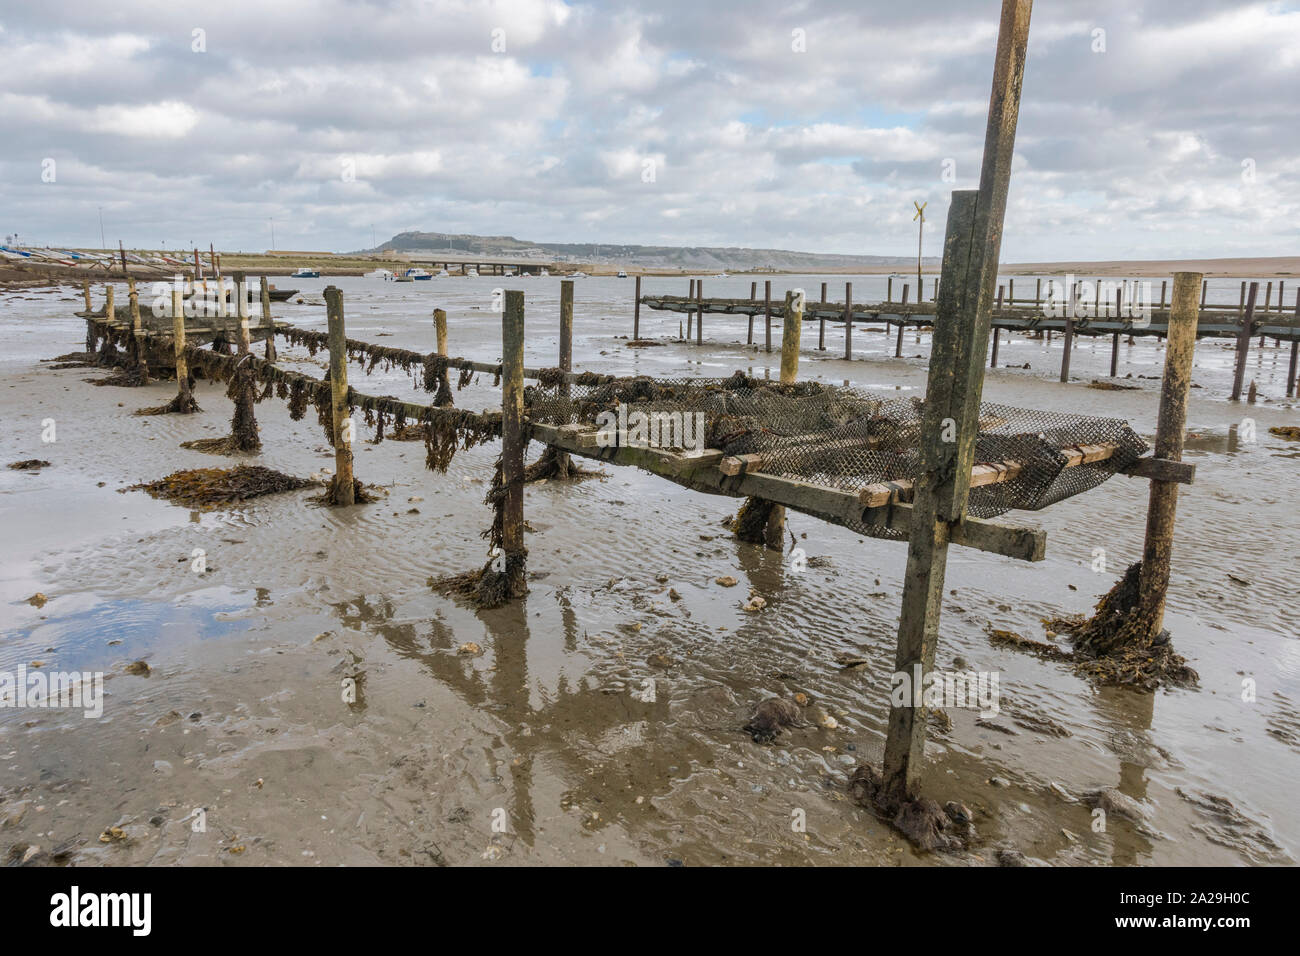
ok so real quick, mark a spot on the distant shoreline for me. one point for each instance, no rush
(25, 274)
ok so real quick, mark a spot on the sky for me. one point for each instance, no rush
(1148, 128)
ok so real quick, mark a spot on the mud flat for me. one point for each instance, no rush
(601, 718)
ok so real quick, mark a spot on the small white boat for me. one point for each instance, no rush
(443, 273)
(472, 273)
(544, 273)
(378, 274)
(305, 273)
(577, 275)
(622, 274)
(418, 275)
(722, 275)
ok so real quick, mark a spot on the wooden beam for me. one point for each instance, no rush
(953, 391)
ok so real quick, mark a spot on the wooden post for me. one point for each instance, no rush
(1295, 346)
(85, 293)
(137, 331)
(753, 297)
(1114, 354)
(636, 311)
(993, 360)
(1205, 288)
(184, 399)
(1038, 292)
(774, 533)
(848, 321)
(898, 345)
(1163, 283)
(1071, 305)
(953, 390)
(699, 311)
(440, 326)
(690, 315)
(343, 485)
(1163, 502)
(121, 249)
(1243, 342)
(267, 322)
(513, 439)
(566, 324)
(823, 298)
(767, 314)
(889, 289)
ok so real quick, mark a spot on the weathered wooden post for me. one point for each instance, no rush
(993, 360)
(1243, 342)
(792, 330)
(85, 293)
(137, 333)
(1170, 429)
(268, 323)
(1205, 289)
(848, 321)
(342, 490)
(1071, 305)
(513, 441)
(753, 298)
(953, 391)
(1295, 347)
(110, 311)
(1038, 292)
(690, 314)
(636, 311)
(1114, 354)
(767, 314)
(889, 289)
(898, 346)
(184, 401)
(243, 424)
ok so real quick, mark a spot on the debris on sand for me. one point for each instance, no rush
(220, 486)
(37, 600)
(556, 464)
(1116, 645)
(1286, 431)
(643, 343)
(1113, 386)
(1051, 652)
(927, 825)
(139, 669)
(30, 464)
(177, 406)
(769, 717)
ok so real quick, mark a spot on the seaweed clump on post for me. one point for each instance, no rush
(1119, 644)
(241, 388)
(503, 577)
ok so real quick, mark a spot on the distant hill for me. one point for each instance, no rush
(663, 257)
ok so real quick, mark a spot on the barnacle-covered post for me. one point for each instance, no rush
(137, 333)
(243, 425)
(343, 486)
(562, 461)
(184, 400)
(267, 322)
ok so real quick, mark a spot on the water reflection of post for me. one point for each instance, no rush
(1130, 714)
(508, 627)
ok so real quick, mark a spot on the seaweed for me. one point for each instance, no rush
(750, 523)
(200, 487)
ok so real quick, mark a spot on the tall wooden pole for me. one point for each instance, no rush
(753, 298)
(1153, 582)
(690, 313)
(513, 439)
(1295, 346)
(343, 487)
(767, 314)
(955, 384)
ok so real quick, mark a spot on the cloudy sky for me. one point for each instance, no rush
(1149, 128)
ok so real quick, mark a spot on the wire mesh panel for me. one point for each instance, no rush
(844, 437)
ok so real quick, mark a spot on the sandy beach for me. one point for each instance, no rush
(600, 718)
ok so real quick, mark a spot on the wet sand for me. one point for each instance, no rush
(600, 721)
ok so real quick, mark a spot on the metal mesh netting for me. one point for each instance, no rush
(848, 438)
